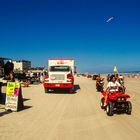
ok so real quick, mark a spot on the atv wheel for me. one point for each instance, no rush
(109, 109)
(129, 108)
(102, 103)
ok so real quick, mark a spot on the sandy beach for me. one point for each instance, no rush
(65, 116)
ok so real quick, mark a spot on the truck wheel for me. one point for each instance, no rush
(129, 108)
(109, 109)
(71, 90)
(46, 90)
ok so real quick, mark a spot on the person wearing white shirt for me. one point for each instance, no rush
(112, 86)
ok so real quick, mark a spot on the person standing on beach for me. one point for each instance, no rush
(20, 99)
(99, 83)
(8, 68)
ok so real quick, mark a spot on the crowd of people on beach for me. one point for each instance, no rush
(100, 81)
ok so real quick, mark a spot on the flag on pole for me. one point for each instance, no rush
(115, 69)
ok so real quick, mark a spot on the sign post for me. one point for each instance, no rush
(12, 92)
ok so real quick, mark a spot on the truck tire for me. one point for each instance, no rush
(70, 90)
(46, 90)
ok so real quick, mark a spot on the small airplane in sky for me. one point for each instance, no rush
(110, 19)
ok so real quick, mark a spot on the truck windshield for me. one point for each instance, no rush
(60, 68)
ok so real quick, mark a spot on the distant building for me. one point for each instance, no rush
(21, 65)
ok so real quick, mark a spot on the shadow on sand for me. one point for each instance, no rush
(6, 112)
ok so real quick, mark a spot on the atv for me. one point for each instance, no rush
(116, 102)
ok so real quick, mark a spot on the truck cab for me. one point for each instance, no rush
(60, 75)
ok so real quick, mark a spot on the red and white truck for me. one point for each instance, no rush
(60, 74)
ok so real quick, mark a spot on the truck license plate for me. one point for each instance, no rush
(57, 85)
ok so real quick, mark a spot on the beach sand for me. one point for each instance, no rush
(65, 116)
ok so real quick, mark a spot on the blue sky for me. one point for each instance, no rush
(36, 30)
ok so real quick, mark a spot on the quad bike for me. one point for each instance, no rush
(116, 102)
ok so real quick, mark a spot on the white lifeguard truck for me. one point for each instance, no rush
(60, 74)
